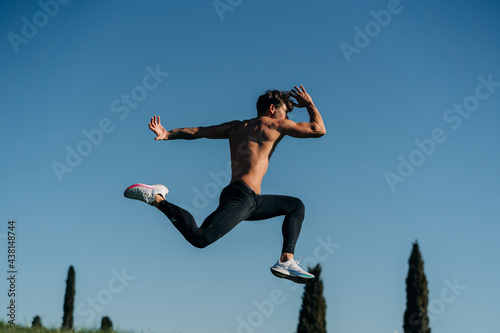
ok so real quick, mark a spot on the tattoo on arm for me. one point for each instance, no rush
(187, 133)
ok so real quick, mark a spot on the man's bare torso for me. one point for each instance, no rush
(252, 142)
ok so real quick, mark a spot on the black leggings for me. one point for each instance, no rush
(238, 202)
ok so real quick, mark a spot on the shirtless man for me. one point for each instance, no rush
(252, 142)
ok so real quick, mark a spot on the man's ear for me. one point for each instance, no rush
(272, 109)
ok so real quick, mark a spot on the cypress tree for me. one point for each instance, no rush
(106, 324)
(415, 317)
(69, 300)
(313, 312)
(37, 322)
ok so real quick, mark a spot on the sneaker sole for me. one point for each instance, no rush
(295, 279)
(286, 275)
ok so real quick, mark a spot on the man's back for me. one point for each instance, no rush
(251, 143)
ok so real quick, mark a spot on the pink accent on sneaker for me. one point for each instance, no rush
(140, 185)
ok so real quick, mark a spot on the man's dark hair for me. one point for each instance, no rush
(275, 97)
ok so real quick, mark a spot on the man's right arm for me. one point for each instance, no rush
(314, 128)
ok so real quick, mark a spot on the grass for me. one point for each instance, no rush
(7, 328)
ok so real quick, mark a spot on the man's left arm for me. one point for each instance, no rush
(215, 132)
(190, 133)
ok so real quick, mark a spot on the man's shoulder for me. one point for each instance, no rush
(243, 123)
(282, 123)
(271, 122)
(264, 123)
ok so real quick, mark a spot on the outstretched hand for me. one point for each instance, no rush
(155, 126)
(302, 97)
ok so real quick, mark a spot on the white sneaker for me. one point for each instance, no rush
(145, 193)
(292, 271)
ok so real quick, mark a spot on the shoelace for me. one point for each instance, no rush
(297, 262)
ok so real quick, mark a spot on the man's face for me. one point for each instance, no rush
(280, 112)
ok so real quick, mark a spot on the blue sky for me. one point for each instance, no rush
(369, 188)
